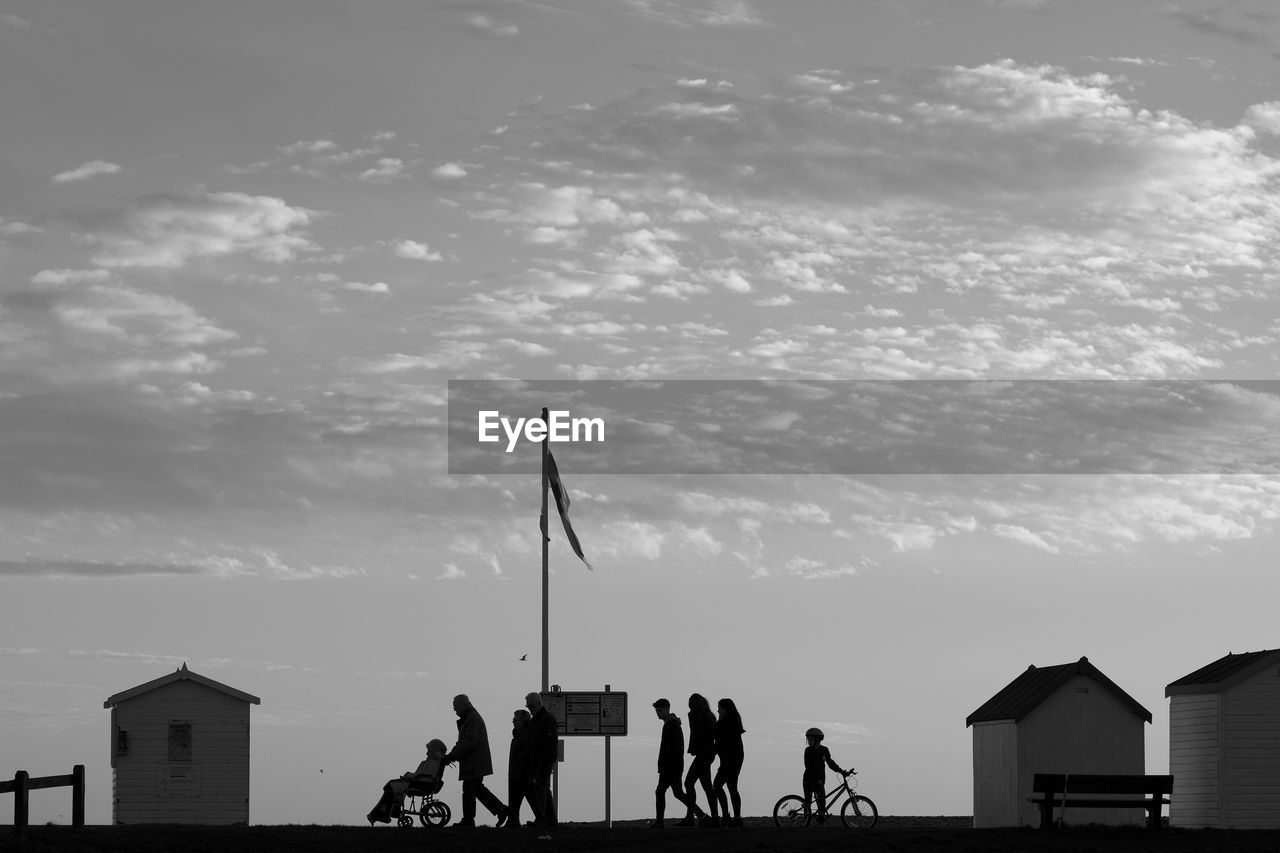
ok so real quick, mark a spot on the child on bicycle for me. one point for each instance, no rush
(816, 759)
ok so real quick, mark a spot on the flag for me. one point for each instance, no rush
(561, 495)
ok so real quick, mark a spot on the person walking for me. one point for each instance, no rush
(702, 746)
(670, 763)
(544, 748)
(729, 733)
(519, 767)
(475, 762)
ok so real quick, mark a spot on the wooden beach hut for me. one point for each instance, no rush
(1068, 718)
(180, 751)
(1224, 743)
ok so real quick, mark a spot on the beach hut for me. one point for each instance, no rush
(180, 751)
(1224, 743)
(1068, 718)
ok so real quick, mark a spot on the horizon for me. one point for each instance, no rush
(251, 253)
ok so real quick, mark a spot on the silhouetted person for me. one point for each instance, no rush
(702, 746)
(519, 766)
(544, 746)
(475, 762)
(729, 748)
(816, 759)
(426, 777)
(670, 762)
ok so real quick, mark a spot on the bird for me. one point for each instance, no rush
(524, 656)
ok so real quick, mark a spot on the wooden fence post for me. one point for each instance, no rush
(20, 800)
(77, 795)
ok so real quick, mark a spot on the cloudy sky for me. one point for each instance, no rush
(244, 247)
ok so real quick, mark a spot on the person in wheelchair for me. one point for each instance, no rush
(427, 779)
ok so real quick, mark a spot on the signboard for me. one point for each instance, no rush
(178, 780)
(594, 714)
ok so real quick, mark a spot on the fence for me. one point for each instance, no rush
(22, 784)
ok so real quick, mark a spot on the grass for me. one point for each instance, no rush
(899, 835)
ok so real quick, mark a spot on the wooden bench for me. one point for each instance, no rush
(1086, 790)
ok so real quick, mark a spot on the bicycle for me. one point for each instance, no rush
(858, 811)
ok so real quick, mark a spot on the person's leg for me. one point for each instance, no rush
(735, 797)
(546, 801)
(690, 795)
(469, 802)
(515, 793)
(382, 811)
(717, 786)
(820, 797)
(808, 795)
(659, 801)
(490, 800)
(704, 779)
(685, 797)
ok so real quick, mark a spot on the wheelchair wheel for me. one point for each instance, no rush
(791, 811)
(435, 813)
(404, 820)
(859, 812)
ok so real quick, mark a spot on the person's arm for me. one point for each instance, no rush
(468, 741)
(832, 764)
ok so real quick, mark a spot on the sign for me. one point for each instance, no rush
(178, 780)
(588, 714)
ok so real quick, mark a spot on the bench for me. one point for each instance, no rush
(1086, 790)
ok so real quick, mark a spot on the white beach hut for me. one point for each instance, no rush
(1224, 743)
(1068, 718)
(180, 751)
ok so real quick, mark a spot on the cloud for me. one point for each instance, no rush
(1264, 117)
(386, 169)
(15, 229)
(85, 171)
(1021, 534)
(1214, 22)
(1097, 232)
(62, 277)
(171, 231)
(11, 20)
(697, 13)
(377, 287)
(449, 171)
(489, 26)
(416, 251)
(91, 569)
(309, 146)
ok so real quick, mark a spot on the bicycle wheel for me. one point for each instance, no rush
(791, 811)
(435, 813)
(859, 812)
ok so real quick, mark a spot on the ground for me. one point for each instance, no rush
(899, 835)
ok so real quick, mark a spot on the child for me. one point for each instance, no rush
(816, 759)
(427, 776)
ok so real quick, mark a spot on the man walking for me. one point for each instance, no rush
(670, 764)
(544, 745)
(475, 762)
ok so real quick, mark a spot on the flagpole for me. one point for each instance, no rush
(546, 542)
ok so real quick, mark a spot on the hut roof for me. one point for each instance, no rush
(1036, 684)
(1223, 672)
(181, 674)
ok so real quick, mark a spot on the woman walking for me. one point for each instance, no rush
(729, 748)
(702, 746)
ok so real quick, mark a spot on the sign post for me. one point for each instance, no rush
(608, 778)
(595, 714)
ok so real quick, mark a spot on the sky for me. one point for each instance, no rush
(245, 246)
